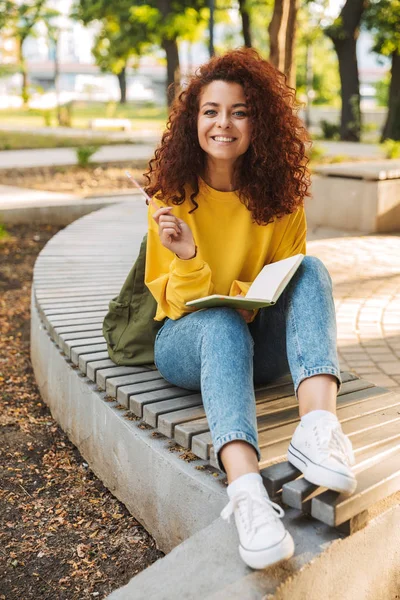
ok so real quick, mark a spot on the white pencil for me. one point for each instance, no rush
(138, 186)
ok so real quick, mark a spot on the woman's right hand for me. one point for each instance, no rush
(174, 233)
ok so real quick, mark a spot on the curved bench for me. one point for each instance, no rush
(148, 441)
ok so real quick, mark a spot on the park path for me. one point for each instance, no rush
(47, 157)
(144, 151)
(366, 275)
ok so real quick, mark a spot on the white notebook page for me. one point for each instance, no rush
(268, 281)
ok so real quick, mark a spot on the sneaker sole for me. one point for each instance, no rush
(260, 559)
(319, 475)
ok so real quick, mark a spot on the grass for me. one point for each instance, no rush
(144, 116)
(10, 140)
(4, 235)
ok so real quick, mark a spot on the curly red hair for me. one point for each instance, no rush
(272, 179)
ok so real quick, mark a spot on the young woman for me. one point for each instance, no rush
(229, 180)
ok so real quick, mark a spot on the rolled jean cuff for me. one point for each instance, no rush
(318, 371)
(231, 437)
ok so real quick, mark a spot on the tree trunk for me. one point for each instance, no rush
(344, 35)
(350, 122)
(122, 85)
(282, 32)
(290, 63)
(245, 23)
(57, 79)
(173, 69)
(391, 129)
(170, 46)
(23, 71)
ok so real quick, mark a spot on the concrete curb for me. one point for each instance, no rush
(60, 212)
(168, 496)
(341, 569)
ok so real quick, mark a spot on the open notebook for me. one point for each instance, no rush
(264, 291)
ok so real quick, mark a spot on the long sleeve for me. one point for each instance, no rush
(171, 280)
(293, 240)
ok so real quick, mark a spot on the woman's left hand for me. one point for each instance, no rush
(246, 314)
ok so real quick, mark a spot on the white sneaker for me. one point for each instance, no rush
(324, 454)
(264, 540)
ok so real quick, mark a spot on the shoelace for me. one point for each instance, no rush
(256, 515)
(331, 438)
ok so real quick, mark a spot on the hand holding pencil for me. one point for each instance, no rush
(174, 233)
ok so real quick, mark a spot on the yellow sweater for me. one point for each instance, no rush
(231, 251)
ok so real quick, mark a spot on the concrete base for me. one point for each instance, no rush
(361, 197)
(168, 496)
(364, 565)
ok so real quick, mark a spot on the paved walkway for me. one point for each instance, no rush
(144, 150)
(366, 275)
(67, 156)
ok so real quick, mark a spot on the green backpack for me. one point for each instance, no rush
(129, 327)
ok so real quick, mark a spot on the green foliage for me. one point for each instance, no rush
(316, 153)
(338, 158)
(323, 59)
(111, 108)
(130, 29)
(3, 232)
(18, 20)
(47, 117)
(330, 131)
(84, 154)
(382, 18)
(382, 91)
(18, 140)
(392, 148)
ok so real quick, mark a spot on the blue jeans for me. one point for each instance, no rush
(216, 351)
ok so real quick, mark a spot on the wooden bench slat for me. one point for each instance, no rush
(65, 326)
(88, 349)
(201, 445)
(133, 376)
(299, 493)
(278, 414)
(77, 335)
(125, 392)
(271, 408)
(74, 307)
(168, 423)
(95, 300)
(152, 412)
(379, 481)
(276, 475)
(95, 316)
(276, 450)
(69, 346)
(84, 331)
(57, 328)
(74, 312)
(91, 367)
(139, 402)
(82, 292)
(268, 437)
(112, 370)
(85, 359)
(96, 365)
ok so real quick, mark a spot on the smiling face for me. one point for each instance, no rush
(223, 123)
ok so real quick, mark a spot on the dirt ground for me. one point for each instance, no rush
(95, 179)
(63, 535)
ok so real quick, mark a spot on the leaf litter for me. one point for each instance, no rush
(63, 536)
